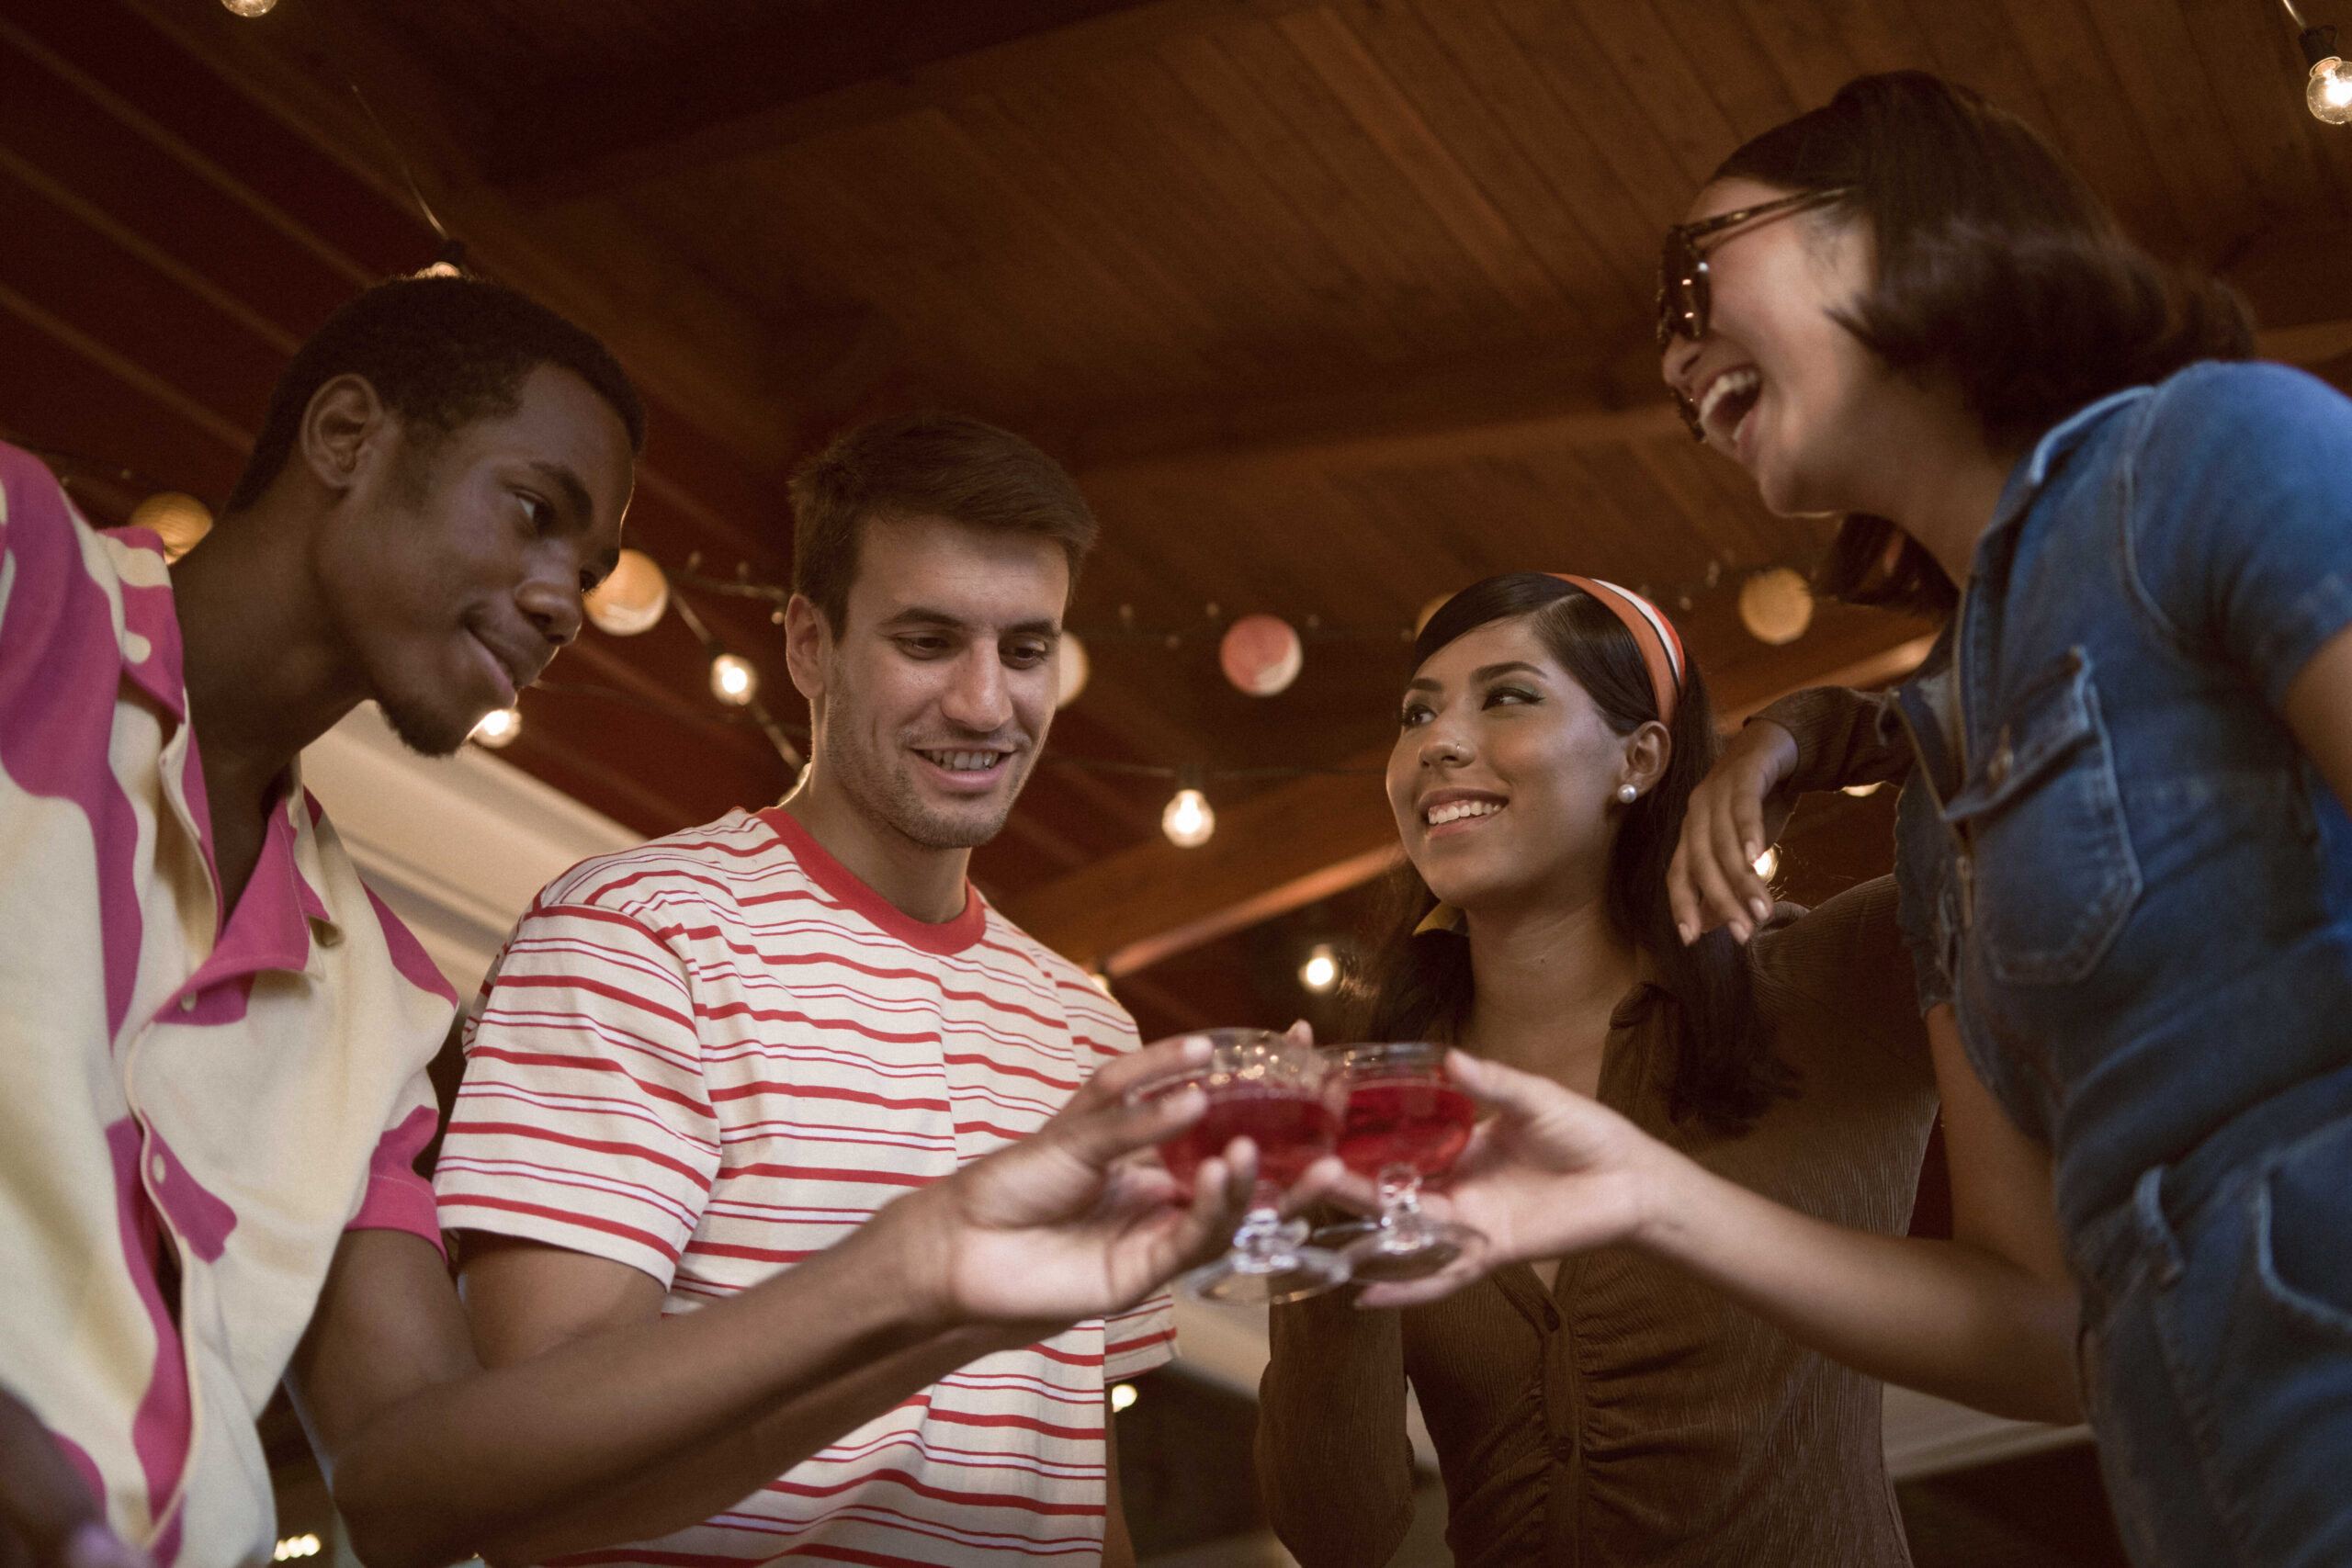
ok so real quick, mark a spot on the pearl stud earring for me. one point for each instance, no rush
(1626, 794)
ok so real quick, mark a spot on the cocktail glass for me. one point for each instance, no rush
(1287, 1098)
(1404, 1121)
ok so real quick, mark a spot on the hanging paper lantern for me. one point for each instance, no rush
(179, 521)
(1071, 669)
(1421, 617)
(1776, 606)
(632, 599)
(1260, 655)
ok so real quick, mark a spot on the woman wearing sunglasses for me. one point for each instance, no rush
(1606, 1409)
(2123, 852)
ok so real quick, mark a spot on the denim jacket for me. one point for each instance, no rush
(2115, 856)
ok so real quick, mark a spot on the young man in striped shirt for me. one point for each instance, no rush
(212, 1038)
(700, 1061)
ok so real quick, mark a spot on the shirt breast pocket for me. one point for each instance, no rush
(2053, 875)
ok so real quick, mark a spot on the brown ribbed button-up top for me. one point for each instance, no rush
(1633, 1416)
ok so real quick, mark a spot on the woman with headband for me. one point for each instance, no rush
(1606, 1408)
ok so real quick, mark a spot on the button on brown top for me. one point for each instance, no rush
(1635, 1416)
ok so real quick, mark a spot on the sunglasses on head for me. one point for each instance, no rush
(1682, 289)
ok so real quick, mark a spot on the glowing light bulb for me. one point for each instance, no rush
(2329, 91)
(1321, 970)
(1123, 1394)
(250, 7)
(1858, 791)
(1768, 863)
(733, 680)
(1188, 821)
(631, 599)
(498, 727)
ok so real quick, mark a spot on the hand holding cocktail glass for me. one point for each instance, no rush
(1285, 1097)
(1076, 1219)
(1552, 1173)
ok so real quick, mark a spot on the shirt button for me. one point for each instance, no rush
(157, 1168)
(187, 1002)
(1997, 770)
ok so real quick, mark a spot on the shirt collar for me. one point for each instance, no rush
(150, 637)
(280, 921)
(841, 883)
(2033, 470)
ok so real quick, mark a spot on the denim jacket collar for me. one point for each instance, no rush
(2032, 470)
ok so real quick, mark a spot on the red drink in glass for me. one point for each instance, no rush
(1420, 1121)
(1287, 1098)
(1405, 1121)
(1291, 1129)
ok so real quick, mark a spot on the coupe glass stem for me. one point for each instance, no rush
(1400, 1204)
(1263, 1239)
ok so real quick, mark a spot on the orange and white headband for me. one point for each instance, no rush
(1653, 634)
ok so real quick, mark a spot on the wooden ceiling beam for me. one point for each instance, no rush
(1463, 408)
(1323, 834)
(1278, 439)
(767, 97)
(1461, 412)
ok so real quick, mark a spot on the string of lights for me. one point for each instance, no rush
(1261, 654)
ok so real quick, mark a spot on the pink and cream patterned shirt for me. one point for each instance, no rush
(711, 1056)
(240, 1094)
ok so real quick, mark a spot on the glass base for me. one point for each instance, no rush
(1340, 1237)
(1292, 1274)
(1394, 1254)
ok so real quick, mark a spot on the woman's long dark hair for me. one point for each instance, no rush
(1998, 267)
(1419, 987)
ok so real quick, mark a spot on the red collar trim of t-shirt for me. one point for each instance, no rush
(924, 936)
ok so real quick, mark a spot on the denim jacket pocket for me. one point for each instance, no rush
(2301, 1205)
(2054, 877)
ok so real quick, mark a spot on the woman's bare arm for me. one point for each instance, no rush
(1987, 1318)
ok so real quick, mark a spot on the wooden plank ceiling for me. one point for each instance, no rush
(1333, 307)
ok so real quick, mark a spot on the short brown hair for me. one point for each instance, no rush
(926, 465)
(1997, 267)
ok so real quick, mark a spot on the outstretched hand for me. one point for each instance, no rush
(1552, 1174)
(1733, 815)
(1077, 1219)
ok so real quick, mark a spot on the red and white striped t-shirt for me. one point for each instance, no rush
(717, 1053)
